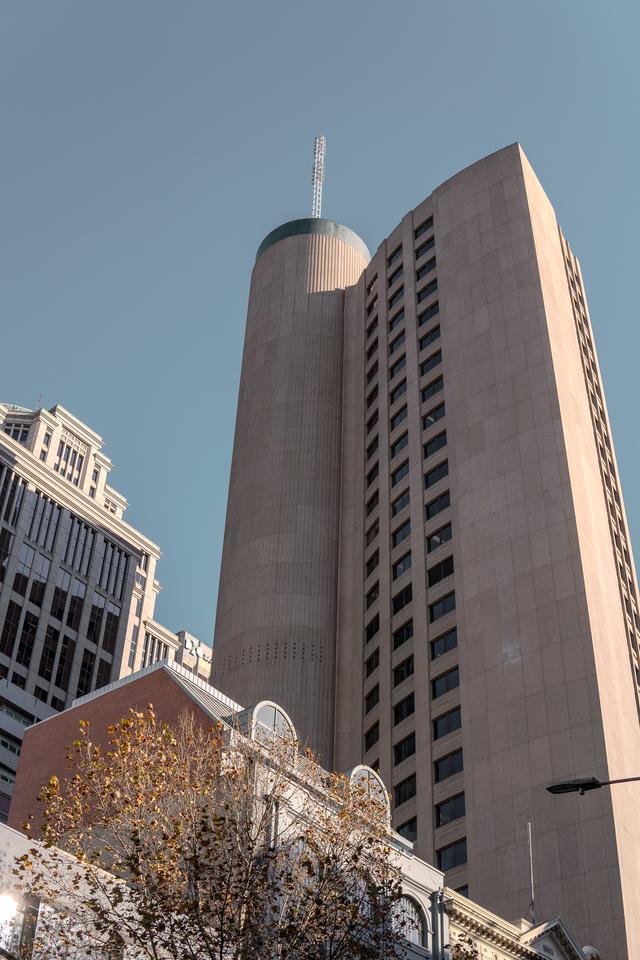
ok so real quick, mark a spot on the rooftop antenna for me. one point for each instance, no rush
(532, 906)
(317, 176)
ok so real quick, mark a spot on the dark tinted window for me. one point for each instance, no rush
(371, 736)
(431, 389)
(372, 663)
(400, 503)
(430, 288)
(405, 790)
(435, 540)
(430, 337)
(400, 473)
(441, 645)
(450, 810)
(426, 269)
(403, 671)
(440, 570)
(409, 829)
(425, 247)
(402, 599)
(432, 476)
(399, 445)
(442, 607)
(434, 507)
(399, 391)
(447, 723)
(445, 682)
(405, 749)
(448, 766)
(430, 362)
(402, 634)
(372, 628)
(401, 533)
(432, 311)
(422, 229)
(404, 709)
(437, 413)
(397, 367)
(452, 855)
(371, 698)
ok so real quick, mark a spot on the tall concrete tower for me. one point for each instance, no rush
(277, 610)
(443, 460)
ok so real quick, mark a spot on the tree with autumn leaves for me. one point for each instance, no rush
(193, 844)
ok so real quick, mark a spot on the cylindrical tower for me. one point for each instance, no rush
(276, 618)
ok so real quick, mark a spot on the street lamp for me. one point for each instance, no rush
(581, 786)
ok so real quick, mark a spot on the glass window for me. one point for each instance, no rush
(371, 449)
(396, 321)
(10, 628)
(404, 749)
(371, 736)
(49, 650)
(425, 247)
(397, 343)
(397, 367)
(371, 628)
(437, 413)
(371, 372)
(371, 307)
(402, 599)
(403, 671)
(435, 540)
(372, 662)
(399, 445)
(395, 256)
(371, 563)
(401, 566)
(450, 810)
(441, 607)
(453, 855)
(372, 595)
(430, 288)
(400, 473)
(398, 392)
(372, 475)
(409, 922)
(440, 571)
(425, 269)
(371, 350)
(372, 327)
(270, 722)
(402, 634)
(400, 503)
(401, 533)
(371, 699)
(395, 276)
(430, 337)
(431, 362)
(404, 709)
(409, 829)
(399, 418)
(447, 723)
(405, 790)
(432, 446)
(27, 637)
(396, 298)
(436, 506)
(448, 766)
(432, 311)
(373, 396)
(437, 473)
(445, 682)
(431, 389)
(423, 228)
(442, 644)
(372, 503)
(371, 422)
(371, 533)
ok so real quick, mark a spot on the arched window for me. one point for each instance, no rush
(368, 780)
(270, 721)
(409, 921)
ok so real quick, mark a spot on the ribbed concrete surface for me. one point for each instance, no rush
(276, 618)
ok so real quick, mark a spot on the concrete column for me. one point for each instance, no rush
(276, 620)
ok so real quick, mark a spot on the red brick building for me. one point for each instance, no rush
(170, 688)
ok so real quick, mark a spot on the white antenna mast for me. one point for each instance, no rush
(532, 905)
(317, 176)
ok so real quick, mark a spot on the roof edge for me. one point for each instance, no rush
(315, 226)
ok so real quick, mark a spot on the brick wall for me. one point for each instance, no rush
(44, 748)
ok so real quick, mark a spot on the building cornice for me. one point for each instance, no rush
(16, 456)
(472, 918)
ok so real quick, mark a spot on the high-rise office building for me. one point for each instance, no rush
(426, 557)
(77, 583)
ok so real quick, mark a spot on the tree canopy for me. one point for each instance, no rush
(195, 844)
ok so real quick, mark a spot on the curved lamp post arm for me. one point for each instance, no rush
(586, 783)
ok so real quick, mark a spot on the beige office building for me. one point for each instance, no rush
(77, 582)
(426, 556)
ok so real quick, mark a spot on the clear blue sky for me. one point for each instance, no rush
(148, 146)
